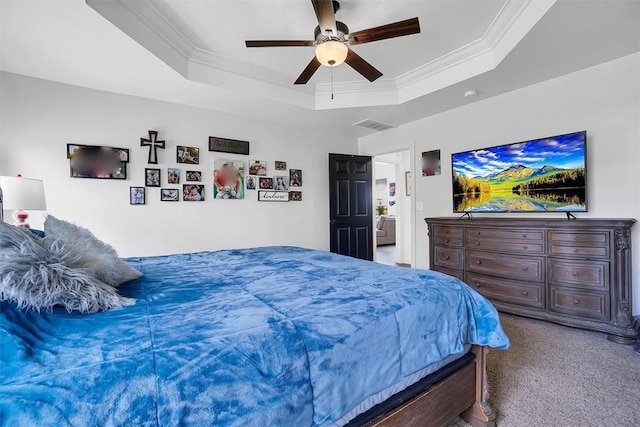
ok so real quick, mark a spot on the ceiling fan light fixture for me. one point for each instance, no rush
(331, 53)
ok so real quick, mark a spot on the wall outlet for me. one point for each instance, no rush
(419, 206)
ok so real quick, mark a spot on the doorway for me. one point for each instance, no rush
(392, 208)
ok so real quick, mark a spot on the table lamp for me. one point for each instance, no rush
(19, 194)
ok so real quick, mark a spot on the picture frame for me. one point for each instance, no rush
(407, 183)
(273, 196)
(173, 176)
(295, 196)
(137, 195)
(169, 195)
(225, 145)
(281, 183)
(281, 166)
(251, 182)
(266, 183)
(152, 177)
(258, 168)
(193, 193)
(431, 163)
(193, 176)
(295, 178)
(97, 162)
(190, 155)
(228, 179)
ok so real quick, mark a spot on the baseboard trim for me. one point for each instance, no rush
(402, 264)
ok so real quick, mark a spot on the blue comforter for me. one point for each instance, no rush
(274, 336)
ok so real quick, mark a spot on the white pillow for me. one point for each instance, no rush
(86, 251)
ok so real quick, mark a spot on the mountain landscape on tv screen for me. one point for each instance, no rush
(535, 176)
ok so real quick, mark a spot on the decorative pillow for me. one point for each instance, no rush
(90, 253)
(35, 274)
(37, 233)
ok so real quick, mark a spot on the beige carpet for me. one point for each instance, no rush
(562, 377)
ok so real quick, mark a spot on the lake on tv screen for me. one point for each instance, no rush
(534, 176)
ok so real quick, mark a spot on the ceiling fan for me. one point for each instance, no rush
(332, 41)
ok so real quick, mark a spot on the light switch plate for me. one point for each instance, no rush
(419, 206)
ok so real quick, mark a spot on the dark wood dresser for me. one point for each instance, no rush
(572, 272)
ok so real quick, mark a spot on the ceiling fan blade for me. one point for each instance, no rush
(308, 72)
(326, 16)
(278, 43)
(363, 67)
(389, 31)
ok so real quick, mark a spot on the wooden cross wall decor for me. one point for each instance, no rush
(153, 145)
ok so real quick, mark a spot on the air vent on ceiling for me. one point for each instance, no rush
(370, 124)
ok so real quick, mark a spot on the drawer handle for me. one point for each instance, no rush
(446, 231)
(477, 243)
(576, 302)
(576, 250)
(478, 262)
(477, 233)
(525, 268)
(524, 236)
(525, 293)
(446, 241)
(525, 247)
(575, 274)
(478, 285)
(575, 237)
(447, 257)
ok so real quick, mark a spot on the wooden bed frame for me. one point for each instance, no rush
(465, 393)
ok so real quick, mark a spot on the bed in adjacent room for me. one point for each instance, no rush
(276, 336)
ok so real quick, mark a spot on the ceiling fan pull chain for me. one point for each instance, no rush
(331, 71)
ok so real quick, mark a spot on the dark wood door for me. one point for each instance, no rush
(351, 205)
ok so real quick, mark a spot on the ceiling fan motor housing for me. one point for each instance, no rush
(342, 29)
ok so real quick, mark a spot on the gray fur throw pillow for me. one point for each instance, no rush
(37, 273)
(90, 253)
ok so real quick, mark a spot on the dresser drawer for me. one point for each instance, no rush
(502, 234)
(530, 268)
(592, 275)
(448, 257)
(592, 305)
(446, 240)
(505, 245)
(458, 274)
(594, 244)
(447, 232)
(508, 291)
(579, 251)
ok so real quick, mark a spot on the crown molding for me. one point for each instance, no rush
(155, 31)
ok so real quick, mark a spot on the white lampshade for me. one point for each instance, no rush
(331, 53)
(22, 194)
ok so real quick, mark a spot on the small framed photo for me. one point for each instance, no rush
(281, 183)
(407, 183)
(136, 195)
(173, 176)
(295, 196)
(194, 176)
(258, 167)
(431, 163)
(193, 193)
(295, 178)
(152, 177)
(273, 196)
(266, 183)
(281, 166)
(169, 195)
(189, 155)
(251, 183)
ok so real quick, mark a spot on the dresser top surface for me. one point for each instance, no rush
(534, 222)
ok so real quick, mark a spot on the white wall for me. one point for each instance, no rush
(38, 118)
(604, 100)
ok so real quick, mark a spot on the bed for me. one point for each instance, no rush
(277, 336)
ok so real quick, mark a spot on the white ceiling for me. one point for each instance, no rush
(192, 52)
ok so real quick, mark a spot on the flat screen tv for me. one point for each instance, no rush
(541, 175)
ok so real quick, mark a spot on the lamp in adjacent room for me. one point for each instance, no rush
(20, 194)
